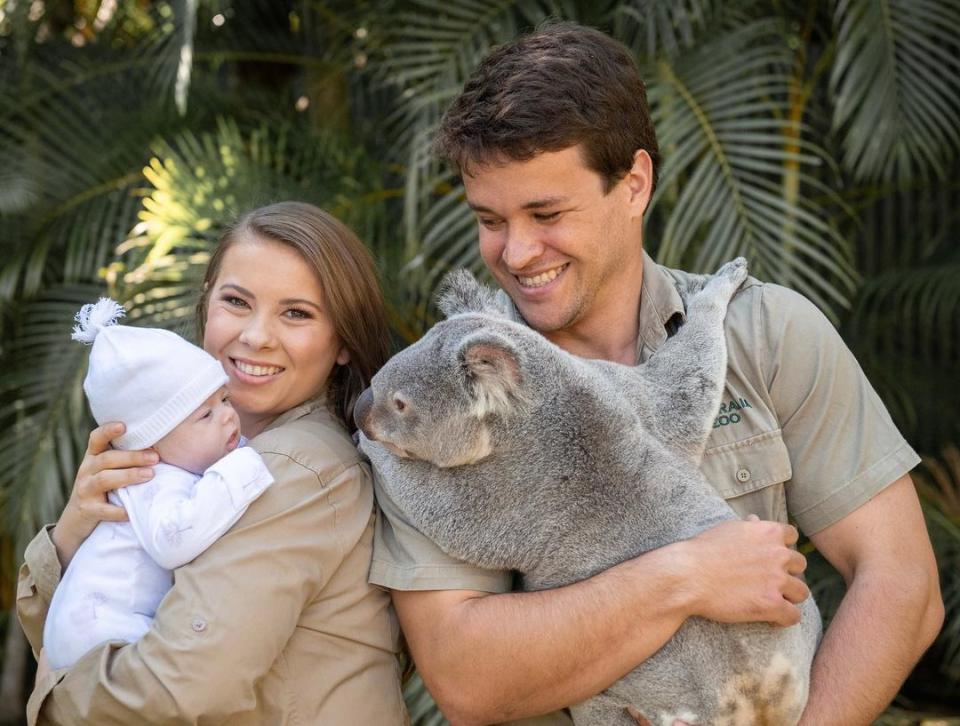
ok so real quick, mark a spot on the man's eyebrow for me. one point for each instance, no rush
(285, 301)
(535, 204)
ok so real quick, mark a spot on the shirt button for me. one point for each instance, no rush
(743, 475)
(199, 625)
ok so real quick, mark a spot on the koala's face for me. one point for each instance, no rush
(438, 399)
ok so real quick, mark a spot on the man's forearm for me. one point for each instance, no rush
(493, 657)
(879, 632)
(499, 657)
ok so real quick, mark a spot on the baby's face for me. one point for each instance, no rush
(205, 436)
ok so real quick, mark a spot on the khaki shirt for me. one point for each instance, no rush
(800, 434)
(273, 624)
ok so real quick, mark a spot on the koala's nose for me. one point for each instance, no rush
(362, 408)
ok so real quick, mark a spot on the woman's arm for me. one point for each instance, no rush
(102, 470)
(225, 622)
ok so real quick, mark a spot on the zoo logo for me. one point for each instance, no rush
(730, 412)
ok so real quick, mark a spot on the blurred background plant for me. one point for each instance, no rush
(818, 138)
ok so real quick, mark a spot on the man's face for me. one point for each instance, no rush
(567, 253)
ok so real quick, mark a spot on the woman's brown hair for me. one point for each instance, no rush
(347, 276)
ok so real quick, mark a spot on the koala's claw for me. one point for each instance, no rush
(735, 270)
(638, 717)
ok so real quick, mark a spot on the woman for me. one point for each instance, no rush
(275, 623)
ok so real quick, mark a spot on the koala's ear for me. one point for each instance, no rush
(492, 368)
(459, 292)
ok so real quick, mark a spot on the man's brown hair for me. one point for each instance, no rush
(562, 85)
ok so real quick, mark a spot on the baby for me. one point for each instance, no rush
(171, 396)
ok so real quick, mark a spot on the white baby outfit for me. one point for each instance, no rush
(121, 572)
(152, 380)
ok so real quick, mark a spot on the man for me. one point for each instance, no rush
(554, 141)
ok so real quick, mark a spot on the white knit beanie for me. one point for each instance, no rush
(148, 378)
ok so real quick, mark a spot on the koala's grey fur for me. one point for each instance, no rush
(510, 453)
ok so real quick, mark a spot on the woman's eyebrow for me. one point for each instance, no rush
(241, 290)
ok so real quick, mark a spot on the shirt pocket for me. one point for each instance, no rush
(750, 474)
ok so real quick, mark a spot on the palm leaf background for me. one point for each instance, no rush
(820, 139)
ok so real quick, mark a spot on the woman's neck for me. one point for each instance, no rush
(253, 424)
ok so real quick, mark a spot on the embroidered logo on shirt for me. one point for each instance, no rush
(730, 412)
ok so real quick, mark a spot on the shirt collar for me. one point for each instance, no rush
(660, 304)
(298, 411)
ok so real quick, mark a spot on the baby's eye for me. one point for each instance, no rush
(207, 414)
(226, 399)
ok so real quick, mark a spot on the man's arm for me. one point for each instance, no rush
(890, 615)
(490, 658)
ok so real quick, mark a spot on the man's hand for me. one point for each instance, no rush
(739, 572)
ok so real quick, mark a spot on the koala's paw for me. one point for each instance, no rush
(724, 282)
(735, 271)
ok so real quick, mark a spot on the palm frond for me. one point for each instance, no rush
(720, 117)
(198, 183)
(662, 28)
(896, 86)
(42, 410)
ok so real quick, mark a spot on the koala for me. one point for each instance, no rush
(510, 453)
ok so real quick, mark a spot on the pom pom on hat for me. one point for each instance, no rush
(94, 317)
(148, 378)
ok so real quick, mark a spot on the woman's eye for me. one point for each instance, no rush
(298, 314)
(237, 302)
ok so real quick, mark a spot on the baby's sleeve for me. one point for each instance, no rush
(180, 515)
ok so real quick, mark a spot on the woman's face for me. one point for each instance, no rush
(267, 324)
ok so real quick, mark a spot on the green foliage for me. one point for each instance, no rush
(819, 139)
(896, 84)
(719, 110)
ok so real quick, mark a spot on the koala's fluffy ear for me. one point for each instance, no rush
(492, 368)
(459, 292)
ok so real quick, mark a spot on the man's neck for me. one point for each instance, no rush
(610, 333)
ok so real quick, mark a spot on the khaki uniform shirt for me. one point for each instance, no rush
(800, 434)
(273, 624)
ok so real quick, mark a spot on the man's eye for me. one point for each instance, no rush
(489, 223)
(546, 216)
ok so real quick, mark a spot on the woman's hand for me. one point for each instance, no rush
(102, 470)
